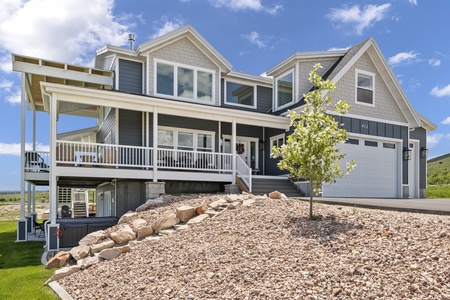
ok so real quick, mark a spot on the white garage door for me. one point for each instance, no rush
(376, 173)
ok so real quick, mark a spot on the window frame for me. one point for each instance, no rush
(242, 83)
(195, 70)
(176, 130)
(276, 138)
(275, 89)
(365, 73)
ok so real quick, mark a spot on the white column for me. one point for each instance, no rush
(22, 150)
(53, 195)
(155, 144)
(233, 149)
(147, 138)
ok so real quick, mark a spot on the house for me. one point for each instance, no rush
(172, 115)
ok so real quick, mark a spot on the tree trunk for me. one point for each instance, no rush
(311, 202)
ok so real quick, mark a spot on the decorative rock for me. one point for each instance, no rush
(167, 221)
(181, 226)
(234, 205)
(336, 291)
(134, 244)
(108, 254)
(248, 202)
(152, 238)
(123, 249)
(127, 217)
(123, 235)
(166, 232)
(414, 267)
(59, 260)
(63, 273)
(442, 234)
(185, 213)
(211, 213)
(144, 231)
(233, 198)
(198, 219)
(103, 245)
(88, 261)
(139, 222)
(199, 210)
(80, 252)
(276, 195)
(92, 238)
(218, 203)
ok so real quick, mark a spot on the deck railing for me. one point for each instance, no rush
(194, 160)
(244, 172)
(37, 161)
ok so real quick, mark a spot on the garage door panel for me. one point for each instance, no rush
(376, 173)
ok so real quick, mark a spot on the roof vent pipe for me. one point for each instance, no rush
(131, 38)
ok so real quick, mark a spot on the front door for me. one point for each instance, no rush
(246, 148)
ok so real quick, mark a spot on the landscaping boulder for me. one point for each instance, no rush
(218, 203)
(248, 202)
(123, 235)
(199, 210)
(198, 219)
(275, 195)
(92, 238)
(138, 223)
(127, 217)
(112, 253)
(167, 221)
(63, 272)
(80, 252)
(88, 261)
(59, 260)
(185, 213)
(144, 231)
(103, 245)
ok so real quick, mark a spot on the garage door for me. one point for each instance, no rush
(376, 173)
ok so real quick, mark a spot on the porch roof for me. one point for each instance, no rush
(144, 103)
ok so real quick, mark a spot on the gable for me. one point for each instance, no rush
(182, 52)
(385, 106)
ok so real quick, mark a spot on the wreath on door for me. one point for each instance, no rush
(240, 148)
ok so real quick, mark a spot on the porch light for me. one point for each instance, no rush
(424, 152)
(406, 154)
(261, 145)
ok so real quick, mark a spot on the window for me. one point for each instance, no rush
(184, 82)
(389, 145)
(185, 139)
(277, 140)
(240, 94)
(365, 88)
(371, 143)
(284, 89)
(352, 141)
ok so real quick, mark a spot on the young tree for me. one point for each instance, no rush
(310, 152)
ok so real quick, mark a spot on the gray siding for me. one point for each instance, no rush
(270, 164)
(130, 195)
(130, 127)
(130, 76)
(421, 135)
(108, 125)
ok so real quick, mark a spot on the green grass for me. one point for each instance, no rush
(438, 191)
(22, 276)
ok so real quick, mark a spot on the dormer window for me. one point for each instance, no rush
(365, 83)
(284, 90)
(184, 82)
(240, 94)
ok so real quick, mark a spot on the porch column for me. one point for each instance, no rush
(155, 144)
(52, 240)
(233, 149)
(22, 222)
(33, 211)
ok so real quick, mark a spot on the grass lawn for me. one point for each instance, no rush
(438, 191)
(22, 275)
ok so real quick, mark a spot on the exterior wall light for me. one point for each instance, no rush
(424, 152)
(261, 145)
(406, 153)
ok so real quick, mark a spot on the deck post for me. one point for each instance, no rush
(233, 149)
(155, 144)
(22, 222)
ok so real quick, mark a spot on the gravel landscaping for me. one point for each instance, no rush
(270, 250)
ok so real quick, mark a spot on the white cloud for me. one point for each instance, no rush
(339, 48)
(9, 91)
(434, 62)
(14, 148)
(6, 84)
(413, 2)
(360, 18)
(446, 121)
(247, 4)
(403, 57)
(434, 139)
(165, 26)
(14, 98)
(59, 30)
(441, 92)
(255, 38)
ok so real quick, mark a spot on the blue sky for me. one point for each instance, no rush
(253, 35)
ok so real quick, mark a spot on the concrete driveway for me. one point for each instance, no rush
(434, 206)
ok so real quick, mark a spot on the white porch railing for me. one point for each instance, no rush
(37, 161)
(194, 160)
(244, 172)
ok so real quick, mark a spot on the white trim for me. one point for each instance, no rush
(416, 158)
(370, 74)
(195, 70)
(260, 80)
(194, 132)
(255, 96)
(247, 140)
(373, 137)
(366, 118)
(276, 138)
(275, 89)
